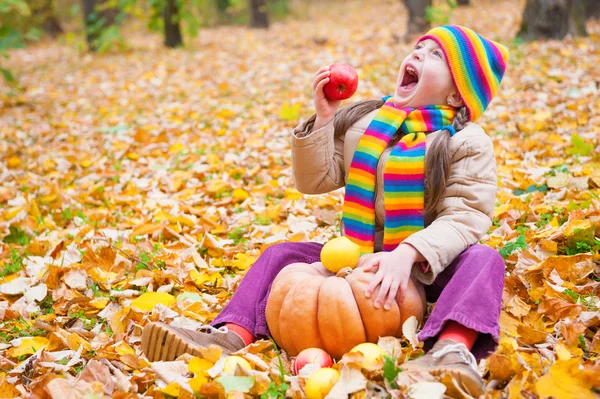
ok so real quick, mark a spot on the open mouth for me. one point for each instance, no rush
(409, 79)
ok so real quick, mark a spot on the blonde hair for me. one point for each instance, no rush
(438, 159)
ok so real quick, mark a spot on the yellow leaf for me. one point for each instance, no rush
(197, 311)
(7, 390)
(148, 300)
(28, 346)
(243, 261)
(100, 276)
(225, 113)
(99, 303)
(12, 212)
(197, 382)
(182, 220)
(499, 210)
(118, 322)
(216, 186)
(213, 159)
(172, 389)
(290, 112)
(147, 228)
(212, 353)
(199, 365)
(240, 194)
(34, 210)
(561, 382)
(13, 162)
(123, 349)
(580, 231)
(562, 352)
(201, 278)
(175, 148)
(292, 194)
(75, 341)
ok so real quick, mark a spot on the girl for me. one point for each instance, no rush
(405, 223)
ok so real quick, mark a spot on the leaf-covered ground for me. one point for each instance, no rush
(141, 185)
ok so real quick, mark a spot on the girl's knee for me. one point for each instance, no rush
(487, 255)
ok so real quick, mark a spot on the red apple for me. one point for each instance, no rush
(312, 355)
(343, 81)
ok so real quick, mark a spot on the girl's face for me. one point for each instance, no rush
(424, 78)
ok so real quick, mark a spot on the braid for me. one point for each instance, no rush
(461, 119)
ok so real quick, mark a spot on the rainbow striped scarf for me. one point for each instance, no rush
(402, 177)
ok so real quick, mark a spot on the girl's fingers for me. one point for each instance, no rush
(363, 260)
(321, 84)
(370, 264)
(322, 69)
(392, 295)
(320, 79)
(403, 288)
(383, 290)
(375, 280)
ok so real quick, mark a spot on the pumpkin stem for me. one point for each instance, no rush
(344, 272)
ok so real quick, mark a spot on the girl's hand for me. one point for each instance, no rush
(324, 107)
(393, 270)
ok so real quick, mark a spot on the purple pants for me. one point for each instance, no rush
(468, 291)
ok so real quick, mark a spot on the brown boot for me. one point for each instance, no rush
(448, 356)
(162, 341)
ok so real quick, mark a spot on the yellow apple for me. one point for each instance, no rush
(231, 361)
(373, 355)
(320, 383)
(340, 253)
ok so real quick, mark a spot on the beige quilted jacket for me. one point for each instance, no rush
(321, 162)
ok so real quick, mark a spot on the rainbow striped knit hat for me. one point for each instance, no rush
(476, 64)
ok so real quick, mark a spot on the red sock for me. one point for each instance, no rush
(459, 333)
(244, 334)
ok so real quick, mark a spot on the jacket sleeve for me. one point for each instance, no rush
(317, 158)
(465, 212)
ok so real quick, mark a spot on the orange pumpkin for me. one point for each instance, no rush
(311, 307)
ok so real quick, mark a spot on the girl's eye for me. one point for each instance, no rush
(438, 53)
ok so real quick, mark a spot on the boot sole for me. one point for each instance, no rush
(465, 379)
(160, 343)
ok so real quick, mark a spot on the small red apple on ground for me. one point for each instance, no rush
(343, 82)
(312, 355)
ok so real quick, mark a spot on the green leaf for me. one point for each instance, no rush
(191, 296)
(534, 187)
(580, 147)
(16, 236)
(390, 371)
(236, 383)
(7, 75)
(10, 38)
(512, 246)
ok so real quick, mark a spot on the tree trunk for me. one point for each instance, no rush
(417, 23)
(50, 22)
(592, 9)
(173, 36)
(96, 18)
(259, 18)
(553, 19)
(89, 19)
(222, 8)
(463, 2)
(222, 5)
